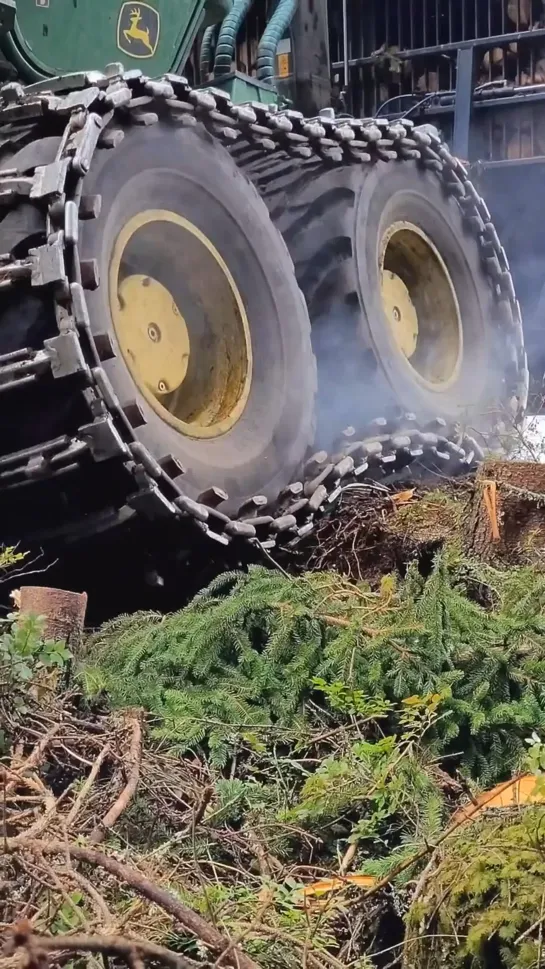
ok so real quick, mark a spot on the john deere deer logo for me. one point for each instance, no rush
(138, 30)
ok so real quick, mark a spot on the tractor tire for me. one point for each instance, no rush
(159, 350)
(334, 221)
(184, 171)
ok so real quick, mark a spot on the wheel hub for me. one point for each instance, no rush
(180, 323)
(401, 312)
(159, 351)
(420, 305)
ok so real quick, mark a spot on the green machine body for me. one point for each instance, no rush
(44, 38)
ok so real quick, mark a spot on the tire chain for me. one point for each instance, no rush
(96, 107)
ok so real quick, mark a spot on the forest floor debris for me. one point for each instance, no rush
(374, 532)
(290, 771)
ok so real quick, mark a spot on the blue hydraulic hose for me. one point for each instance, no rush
(206, 51)
(225, 47)
(274, 31)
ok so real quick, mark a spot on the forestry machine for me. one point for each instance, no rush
(222, 299)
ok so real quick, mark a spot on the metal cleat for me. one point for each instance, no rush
(84, 98)
(203, 99)
(159, 89)
(117, 95)
(192, 508)
(244, 113)
(47, 264)
(83, 144)
(103, 439)
(49, 180)
(213, 497)
(66, 355)
(152, 503)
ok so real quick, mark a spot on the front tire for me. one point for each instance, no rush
(184, 171)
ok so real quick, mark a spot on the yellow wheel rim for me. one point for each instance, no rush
(180, 323)
(420, 306)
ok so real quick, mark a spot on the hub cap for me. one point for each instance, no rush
(180, 323)
(420, 305)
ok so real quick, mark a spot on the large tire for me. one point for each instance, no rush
(333, 220)
(186, 171)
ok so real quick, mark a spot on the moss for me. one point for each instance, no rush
(483, 902)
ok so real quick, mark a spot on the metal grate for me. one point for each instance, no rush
(408, 48)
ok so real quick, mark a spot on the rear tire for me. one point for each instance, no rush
(402, 193)
(333, 222)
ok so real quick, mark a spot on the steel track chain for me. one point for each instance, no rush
(97, 106)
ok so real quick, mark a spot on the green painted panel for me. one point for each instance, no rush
(60, 36)
(242, 89)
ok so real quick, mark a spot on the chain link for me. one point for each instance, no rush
(97, 106)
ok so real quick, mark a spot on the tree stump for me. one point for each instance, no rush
(63, 612)
(506, 520)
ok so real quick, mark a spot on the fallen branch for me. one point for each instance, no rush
(125, 949)
(190, 920)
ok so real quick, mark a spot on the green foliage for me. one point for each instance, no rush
(253, 649)
(24, 653)
(343, 699)
(71, 915)
(10, 557)
(382, 786)
(484, 904)
(276, 928)
(535, 758)
(325, 710)
(25, 659)
(238, 658)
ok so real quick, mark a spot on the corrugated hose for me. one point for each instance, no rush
(274, 31)
(225, 47)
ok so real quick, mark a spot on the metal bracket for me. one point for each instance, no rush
(84, 142)
(465, 68)
(82, 98)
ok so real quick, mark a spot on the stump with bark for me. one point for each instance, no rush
(506, 520)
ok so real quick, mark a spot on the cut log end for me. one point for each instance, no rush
(63, 612)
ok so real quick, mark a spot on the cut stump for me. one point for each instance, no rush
(506, 520)
(63, 612)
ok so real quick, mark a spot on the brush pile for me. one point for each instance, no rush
(113, 848)
(290, 771)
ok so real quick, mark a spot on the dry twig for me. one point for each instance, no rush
(134, 719)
